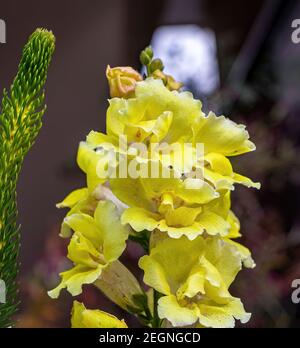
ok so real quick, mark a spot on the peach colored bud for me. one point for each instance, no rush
(122, 81)
(168, 80)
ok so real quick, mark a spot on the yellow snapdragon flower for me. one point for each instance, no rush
(159, 115)
(96, 243)
(87, 318)
(155, 114)
(193, 278)
(78, 201)
(82, 201)
(167, 205)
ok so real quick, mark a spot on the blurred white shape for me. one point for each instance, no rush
(2, 31)
(2, 291)
(189, 54)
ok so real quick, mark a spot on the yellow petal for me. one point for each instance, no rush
(182, 216)
(97, 319)
(82, 251)
(213, 224)
(224, 257)
(169, 252)
(131, 192)
(162, 126)
(85, 224)
(219, 163)
(244, 253)
(234, 225)
(194, 283)
(155, 275)
(140, 219)
(191, 232)
(73, 198)
(223, 316)
(240, 179)
(113, 233)
(169, 308)
(221, 174)
(221, 135)
(74, 278)
(94, 164)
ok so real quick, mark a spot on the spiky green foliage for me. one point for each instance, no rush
(20, 121)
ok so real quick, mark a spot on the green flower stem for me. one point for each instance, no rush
(156, 322)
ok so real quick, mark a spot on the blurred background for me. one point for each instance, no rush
(237, 56)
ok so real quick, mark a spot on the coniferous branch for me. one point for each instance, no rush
(20, 121)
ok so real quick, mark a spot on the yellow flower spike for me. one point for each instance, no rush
(97, 319)
(190, 219)
(195, 292)
(96, 243)
(122, 81)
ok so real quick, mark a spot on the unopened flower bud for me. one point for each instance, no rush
(144, 58)
(156, 64)
(122, 81)
(149, 51)
(168, 80)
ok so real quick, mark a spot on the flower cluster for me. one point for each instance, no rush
(185, 223)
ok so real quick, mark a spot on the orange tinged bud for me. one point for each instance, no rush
(122, 81)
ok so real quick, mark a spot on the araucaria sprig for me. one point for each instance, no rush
(20, 121)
